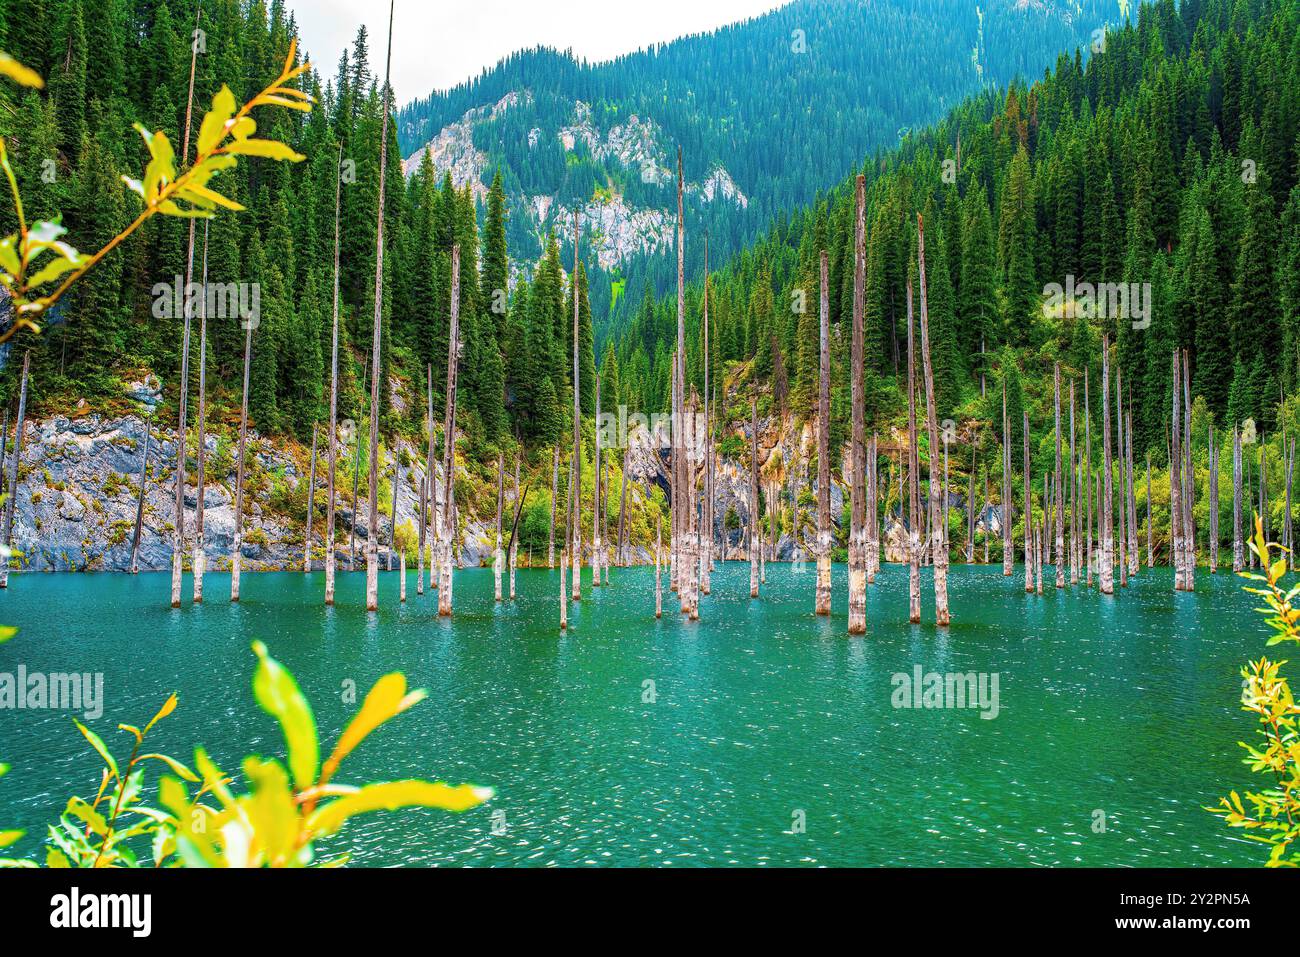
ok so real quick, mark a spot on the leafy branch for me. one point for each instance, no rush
(1273, 816)
(36, 256)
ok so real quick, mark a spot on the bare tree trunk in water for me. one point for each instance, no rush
(1107, 519)
(1060, 526)
(622, 525)
(914, 476)
(1133, 562)
(397, 481)
(448, 536)
(938, 495)
(334, 394)
(1189, 477)
(1238, 552)
(139, 502)
(1087, 442)
(659, 581)
(498, 560)
(199, 558)
(178, 531)
(1151, 554)
(823, 595)
(857, 465)
(1123, 489)
(596, 543)
(555, 494)
(1008, 550)
(372, 531)
(1027, 515)
(356, 476)
(564, 598)
(237, 547)
(1074, 499)
(575, 486)
(311, 505)
(754, 536)
(1176, 524)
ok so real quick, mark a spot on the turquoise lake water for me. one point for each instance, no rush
(772, 738)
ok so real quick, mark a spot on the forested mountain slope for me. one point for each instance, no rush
(767, 112)
(1167, 164)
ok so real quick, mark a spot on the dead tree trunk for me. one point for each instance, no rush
(596, 508)
(198, 560)
(873, 509)
(754, 536)
(823, 596)
(1132, 493)
(970, 509)
(139, 502)
(392, 526)
(1087, 484)
(332, 465)
(659, 581)
(1189, 479)
(1028, 513)
(555, 494)
(1238, 552)
(514, 541)
(1074, 499)
(1008, 550)
(178, 531)
(12, 501)
(914, 475)
(237, 547)
(311, 505)
(356, 475)
(1214, 504)
(430, 486)
(498, 559)
(1151, 554)
(938, 495)
(1056, 496)
(622, 524)
(1123, 489)
(857, 494)
(1107, 517)
(372, 531)
(1176, 523)
(575, 494)
(705, 542)
(564, 598)
(448, 535)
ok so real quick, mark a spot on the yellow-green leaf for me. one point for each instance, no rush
(172, 763)
(271, 810)
(98, 745)
(10, 837)
(23, 76)
(277, 692)
(7, 632)
(201, 195)
(83, 812)
(168, 707)
(386, 700)
(392, 795)
(56, 859)
(271, 149)
(213, 128)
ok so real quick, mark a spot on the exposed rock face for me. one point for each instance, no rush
(79, 481)
(617, 228)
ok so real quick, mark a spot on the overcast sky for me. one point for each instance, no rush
(438, 45)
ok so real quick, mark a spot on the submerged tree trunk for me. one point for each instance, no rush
(139, 501)
(199, 558)
(1008, 550)
(334, 394)
(372, 531)
(1060, 523)
(1074, 498)
(1238, 552)
(575, 485)
(1176, 523)
(913, 476)
(178, 531)
(1028, 513)
(659, 581)
(857, 465)
(1123, 488)
(564, 598)
(596, 541)
(1088, 480)
(823, 595)
(754, 537)
(498, 560)
(555, 494)
(237, 547)
(12, 500)
(1107, 517)
(1151, 555)
(514, 541)
(448, 536)
(311, 505)
(873, 509)
(356, 476)
(938, 495)
(392, 524)
(1189, 478)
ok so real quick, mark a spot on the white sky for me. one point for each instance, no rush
(438, 45)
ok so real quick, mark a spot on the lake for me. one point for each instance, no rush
(760, 735)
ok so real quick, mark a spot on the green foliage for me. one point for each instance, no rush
(275, 824)
(1273, 817)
